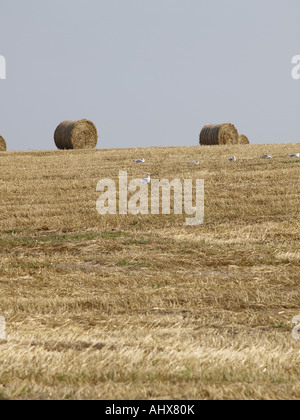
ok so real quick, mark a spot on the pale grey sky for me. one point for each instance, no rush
(149, 72)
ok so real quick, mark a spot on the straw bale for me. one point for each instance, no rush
(2, 144)
(80, 134)
(218, 134)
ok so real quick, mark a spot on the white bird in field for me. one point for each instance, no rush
(195, 162)
(146, 180)
(233, 159)
(139, 161)
(267, 157)
(295, 155)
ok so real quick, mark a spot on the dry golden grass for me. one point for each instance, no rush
(145, 307)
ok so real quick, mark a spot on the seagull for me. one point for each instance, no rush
(233, 159)
(139, 161)
(295, 155)
(267, 157)
(146, 180)
(195, 162)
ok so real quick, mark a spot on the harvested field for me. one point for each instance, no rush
(145, 307)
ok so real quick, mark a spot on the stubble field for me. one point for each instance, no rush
(145, 307)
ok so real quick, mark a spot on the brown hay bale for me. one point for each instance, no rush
(2, 144)
(218, 134)
(80, 134)
(243, 139)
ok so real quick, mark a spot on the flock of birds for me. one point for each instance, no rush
(147, 180)
(294, 155)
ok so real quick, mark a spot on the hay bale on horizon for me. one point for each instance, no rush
(218, 134)
(80, 134)
(2, 144)
(243, 139)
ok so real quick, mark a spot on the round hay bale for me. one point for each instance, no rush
(218, 134)
(2, 144)
(80, 134)
(243, 139)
